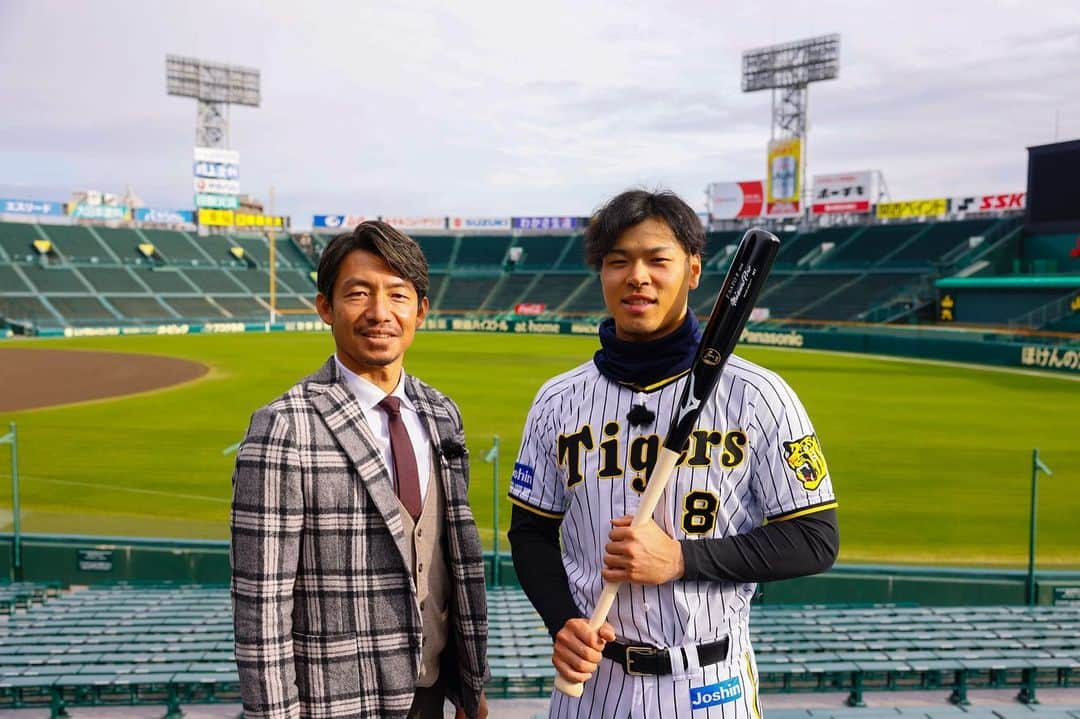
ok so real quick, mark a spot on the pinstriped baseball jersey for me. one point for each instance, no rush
(753, 456)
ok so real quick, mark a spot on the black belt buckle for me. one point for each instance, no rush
(642, 651)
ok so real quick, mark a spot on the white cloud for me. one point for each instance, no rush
(503, 108)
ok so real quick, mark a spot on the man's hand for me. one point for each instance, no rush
(645, 555)
(481, 711)
(577, 649)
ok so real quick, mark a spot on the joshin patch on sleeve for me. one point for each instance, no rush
(522, 476)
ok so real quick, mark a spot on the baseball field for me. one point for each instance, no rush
(931, 462)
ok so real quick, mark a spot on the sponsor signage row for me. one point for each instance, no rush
(471, 224)
(1034, 356)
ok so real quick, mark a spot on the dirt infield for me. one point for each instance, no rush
(34, 378)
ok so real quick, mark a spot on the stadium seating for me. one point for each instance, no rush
(174, 645)
(77, 243)
(177, 247)
(482, 252)
(16, 240)
(871, 272)
(847, 648)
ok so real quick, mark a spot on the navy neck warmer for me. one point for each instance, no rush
(641, 365)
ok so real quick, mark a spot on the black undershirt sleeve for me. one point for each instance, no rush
(778, 550)
(534, 544)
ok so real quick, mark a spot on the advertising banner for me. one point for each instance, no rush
(218, 202)
(254, 220)
(472, 224)
(406, 224)
(988, 203)
(844, 192)
(731, 200)
(217, 154)
(30, 207)
(548, 223)
(530, 308)
(217, 187)
(217, 170)
(784, 183)
(338, 222)
(216, 218)
(83, 211)
(912, 208)
(164, 217)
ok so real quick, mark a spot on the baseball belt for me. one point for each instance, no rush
(646, 660)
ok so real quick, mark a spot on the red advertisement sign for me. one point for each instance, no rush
(530, 308)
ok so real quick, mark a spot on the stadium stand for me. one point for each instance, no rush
(135, 644)
(892, 272)
(482, 251)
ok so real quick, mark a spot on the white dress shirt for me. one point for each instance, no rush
(369, 395)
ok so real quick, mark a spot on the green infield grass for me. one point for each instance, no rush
(931, 462)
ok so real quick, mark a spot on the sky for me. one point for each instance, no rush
(513, 108)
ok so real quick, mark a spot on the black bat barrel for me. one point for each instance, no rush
(740, 291)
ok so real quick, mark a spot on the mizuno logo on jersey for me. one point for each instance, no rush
(643, 452)
(805, 458)
(720, 693)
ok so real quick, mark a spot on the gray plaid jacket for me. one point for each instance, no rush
(326, 617)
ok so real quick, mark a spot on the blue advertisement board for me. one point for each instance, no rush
(30, 207)
(164, 217)
(217, 170)
(85, 211)
(332, 221)
(548, 223)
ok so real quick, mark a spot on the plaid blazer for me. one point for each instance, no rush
(325, 610)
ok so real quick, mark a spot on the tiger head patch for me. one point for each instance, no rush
(805, 458)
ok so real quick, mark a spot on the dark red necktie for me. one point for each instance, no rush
(401, 447)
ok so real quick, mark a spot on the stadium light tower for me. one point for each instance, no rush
(787, 70)
(215, 86)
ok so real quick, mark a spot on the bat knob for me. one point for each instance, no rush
(570, 689)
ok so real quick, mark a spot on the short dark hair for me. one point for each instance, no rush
(633, 206)
(397, 249)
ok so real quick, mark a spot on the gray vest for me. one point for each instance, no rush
(427, 562)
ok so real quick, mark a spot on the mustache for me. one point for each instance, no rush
(376, 329)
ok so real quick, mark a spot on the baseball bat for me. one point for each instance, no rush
(740, 290)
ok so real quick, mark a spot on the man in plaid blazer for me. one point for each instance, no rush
(344, 607)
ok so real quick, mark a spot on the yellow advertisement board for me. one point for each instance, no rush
(912, 208)
(216, 218)
(784, 173)
(250, 219)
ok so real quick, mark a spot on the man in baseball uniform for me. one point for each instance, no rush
(751, 499)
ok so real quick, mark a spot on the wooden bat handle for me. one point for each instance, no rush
(658, 481)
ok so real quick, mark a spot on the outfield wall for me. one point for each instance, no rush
(916, 343)
(72, 559)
